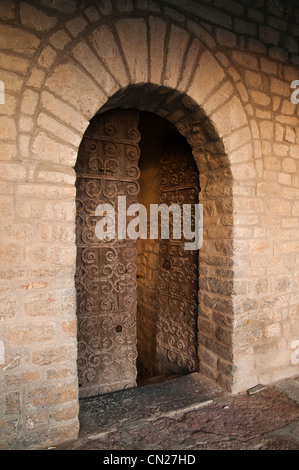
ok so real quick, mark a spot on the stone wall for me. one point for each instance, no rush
(215, 68)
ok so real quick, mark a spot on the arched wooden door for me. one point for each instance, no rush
(107, 167)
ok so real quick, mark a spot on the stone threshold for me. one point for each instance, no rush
(107, 413)
(191, 412)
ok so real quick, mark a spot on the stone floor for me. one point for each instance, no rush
(191, 413)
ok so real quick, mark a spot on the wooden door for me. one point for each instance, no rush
(178, 268)
(107, 167)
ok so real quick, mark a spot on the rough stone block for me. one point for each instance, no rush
(43, 209)
(7, 10)
(8, 255)
(58, 395)
(46, 57)
(135, 52)
(111, 55)
(8, 307)
(35, 18)
(52, 355)
(59, 130)
(28, 334)
(7, 128)
(96, 69)
(76, 25)
(75, 87)
(178, 40)
(17, 380)
(156, 53)
(12, 403)
(59, 39)
(29, 102)
(64, 6)
(36, 77)
(229, 117)
(189, 64)
(51, 255)
(246, 60)
(47, 149)
(17, 40)
(208, 76)
(14, 63)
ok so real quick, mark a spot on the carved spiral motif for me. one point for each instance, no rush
(133, 134)
(111, 150)
(90, 145)
(110, 130)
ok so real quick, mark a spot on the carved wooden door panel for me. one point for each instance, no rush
(107, 167)
(178, 268)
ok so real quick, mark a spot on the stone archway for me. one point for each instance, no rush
(214, 348)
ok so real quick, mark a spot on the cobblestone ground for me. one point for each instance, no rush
(267, 420)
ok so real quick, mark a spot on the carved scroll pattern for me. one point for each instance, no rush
(178, 268)
(107, 167)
